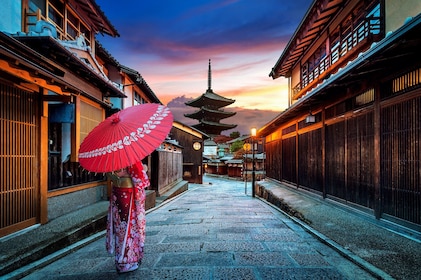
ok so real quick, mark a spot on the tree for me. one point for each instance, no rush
(237, 145)
(235, 134)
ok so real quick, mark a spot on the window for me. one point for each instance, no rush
(374, 18)
(364, 98)
(56, 13)
(72, 25)
(61, 117)
(138, 99)
(69, 26)
(75, 28)
(62, 162)
(90, 117)
(83, 29)
(304, 74)
(407, 81)
(35, 5)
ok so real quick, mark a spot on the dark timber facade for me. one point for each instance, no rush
(352, 131)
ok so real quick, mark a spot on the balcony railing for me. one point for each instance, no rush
(350, 43)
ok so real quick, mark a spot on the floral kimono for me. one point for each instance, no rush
(126, 217)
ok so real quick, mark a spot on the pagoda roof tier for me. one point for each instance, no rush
(213, 128)
(210, 98)
(205, 112)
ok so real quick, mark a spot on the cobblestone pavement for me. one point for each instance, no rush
(214, 231)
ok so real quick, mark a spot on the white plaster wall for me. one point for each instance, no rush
(398, 11)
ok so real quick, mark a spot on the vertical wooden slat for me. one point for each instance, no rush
(18, 121)
(310, 160)
(401, 157)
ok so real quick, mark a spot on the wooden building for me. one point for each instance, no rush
(56, 84)
(352, 130)
(254, 154)
(259, 166)
(235, 168)
(216, 167)
(168, 161)
(192, 142)
(51, 97)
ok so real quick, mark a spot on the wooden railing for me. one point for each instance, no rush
(348, 44)
(31, 19)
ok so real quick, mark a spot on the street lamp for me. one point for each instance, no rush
(246, 148)
(253, 175)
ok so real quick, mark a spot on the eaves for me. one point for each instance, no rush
(50, 48)
(388, 51)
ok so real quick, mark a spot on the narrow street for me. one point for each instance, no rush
(214, 231)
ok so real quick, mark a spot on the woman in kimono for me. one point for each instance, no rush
(126, 217)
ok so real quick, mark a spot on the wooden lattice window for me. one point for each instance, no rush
(56, 13)
(68, 25)
(407, 81)
(364, 98)
(75, 27)
(90, 116)
(19, 159)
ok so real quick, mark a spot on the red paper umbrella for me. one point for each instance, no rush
(125, 138)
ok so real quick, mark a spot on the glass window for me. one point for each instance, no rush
(86, 32)
(35, 5)
(72, 31)
(55, 17)
(72, 25)
(72, 19)
(138, 99)
(56, 13)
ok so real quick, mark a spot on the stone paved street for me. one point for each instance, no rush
(214, 231)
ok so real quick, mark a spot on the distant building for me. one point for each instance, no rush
(192, 142)
(210, 112)
(210, 149)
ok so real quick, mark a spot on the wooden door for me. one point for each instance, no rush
(19, 159)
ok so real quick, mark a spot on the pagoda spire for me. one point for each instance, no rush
(209, 75)
(209, 113)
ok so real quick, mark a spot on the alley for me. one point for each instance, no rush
(214, 231)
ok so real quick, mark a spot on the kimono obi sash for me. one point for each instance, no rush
(121, 182)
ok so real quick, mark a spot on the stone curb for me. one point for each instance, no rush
(376, 272)
(28, 269)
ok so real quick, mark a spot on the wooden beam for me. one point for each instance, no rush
(377, 149)
(60, 98)
(32, 78)
(43, 171)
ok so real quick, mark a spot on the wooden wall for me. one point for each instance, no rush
(167, 169)
(348, 157)
(192, 159)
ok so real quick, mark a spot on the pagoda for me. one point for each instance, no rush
(210, 112)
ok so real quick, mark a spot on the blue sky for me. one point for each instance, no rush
(170, 43)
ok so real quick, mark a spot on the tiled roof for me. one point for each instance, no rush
(209, 112)
(210, 98)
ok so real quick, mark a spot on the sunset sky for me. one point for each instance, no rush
(170, 43)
